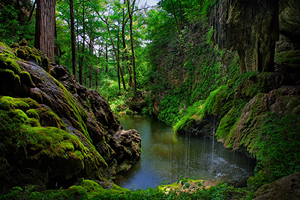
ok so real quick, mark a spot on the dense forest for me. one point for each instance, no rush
(224, 70)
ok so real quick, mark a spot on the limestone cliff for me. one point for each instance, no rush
(255, 28)
(53, 130)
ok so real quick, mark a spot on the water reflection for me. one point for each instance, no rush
(166, 156)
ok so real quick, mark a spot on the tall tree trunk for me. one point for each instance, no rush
(45, 25)
(118, 45)
(130, 12)
(73, 39)
(83, 45)
(91, 66)
(125, 49)
(98, 69)
(31, 12)
(178, 28)
(117, 57)
(106, 58)
(56, 47)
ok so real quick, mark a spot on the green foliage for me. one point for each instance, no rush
(171, 109)
(278, 145)
(11, 29)
(87, 189)
(198, 110)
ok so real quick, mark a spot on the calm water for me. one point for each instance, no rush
(166, 156)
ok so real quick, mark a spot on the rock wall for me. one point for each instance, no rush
(249, 26)
(61, 131)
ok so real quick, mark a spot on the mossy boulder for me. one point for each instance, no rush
(55, 131)
(49, 153)
(14, 80)
(9, 63)
(239, 129)
(285, 189)
(289, 58)
(138, 102)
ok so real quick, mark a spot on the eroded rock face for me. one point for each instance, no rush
(69, 131)
(201, 128)
(285, 100)
(249, 26)
(289, 21)
(285, 189)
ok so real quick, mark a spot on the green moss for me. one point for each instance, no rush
(55, 148)
(18, 115)
(9, 63)
(199, 109)
(89, 187)
(290, 58)
(9, 75)
(32, 113)
(8, 103)
(77, 111)
(50, 118)
(227, 123)
(32, 103)
(27, 53)
(33, 122)
(26, 78)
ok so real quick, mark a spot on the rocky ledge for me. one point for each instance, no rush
(53, 130)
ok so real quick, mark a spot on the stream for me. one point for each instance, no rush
(166, 156)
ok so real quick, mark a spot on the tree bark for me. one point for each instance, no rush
(106, 58)
(173, 8)
(117, 57)
(125, 49)
(130, 12)
(83, 46)
(45, 27)
(73, 39)
(56, 47)
(91, 66)
(31, 12)
(118, 46)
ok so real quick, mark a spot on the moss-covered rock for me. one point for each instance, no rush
(239, 128)
(290, 58)
(43, 150)
(52, 136)
(285, 189)
(33, 113)
(9, 63)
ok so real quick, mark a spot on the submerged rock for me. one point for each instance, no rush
(53, 130)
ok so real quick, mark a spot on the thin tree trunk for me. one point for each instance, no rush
(125, 49)
(91, 66)
(118, 45)
(45, 25)
(178, 28)
(83, 46)
(98, 70)
(130, 12)
(117, 57)
(73, 39)
(106, 58)
(31, 12)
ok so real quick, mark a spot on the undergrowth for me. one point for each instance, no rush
(91, 190)
(277, 146)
